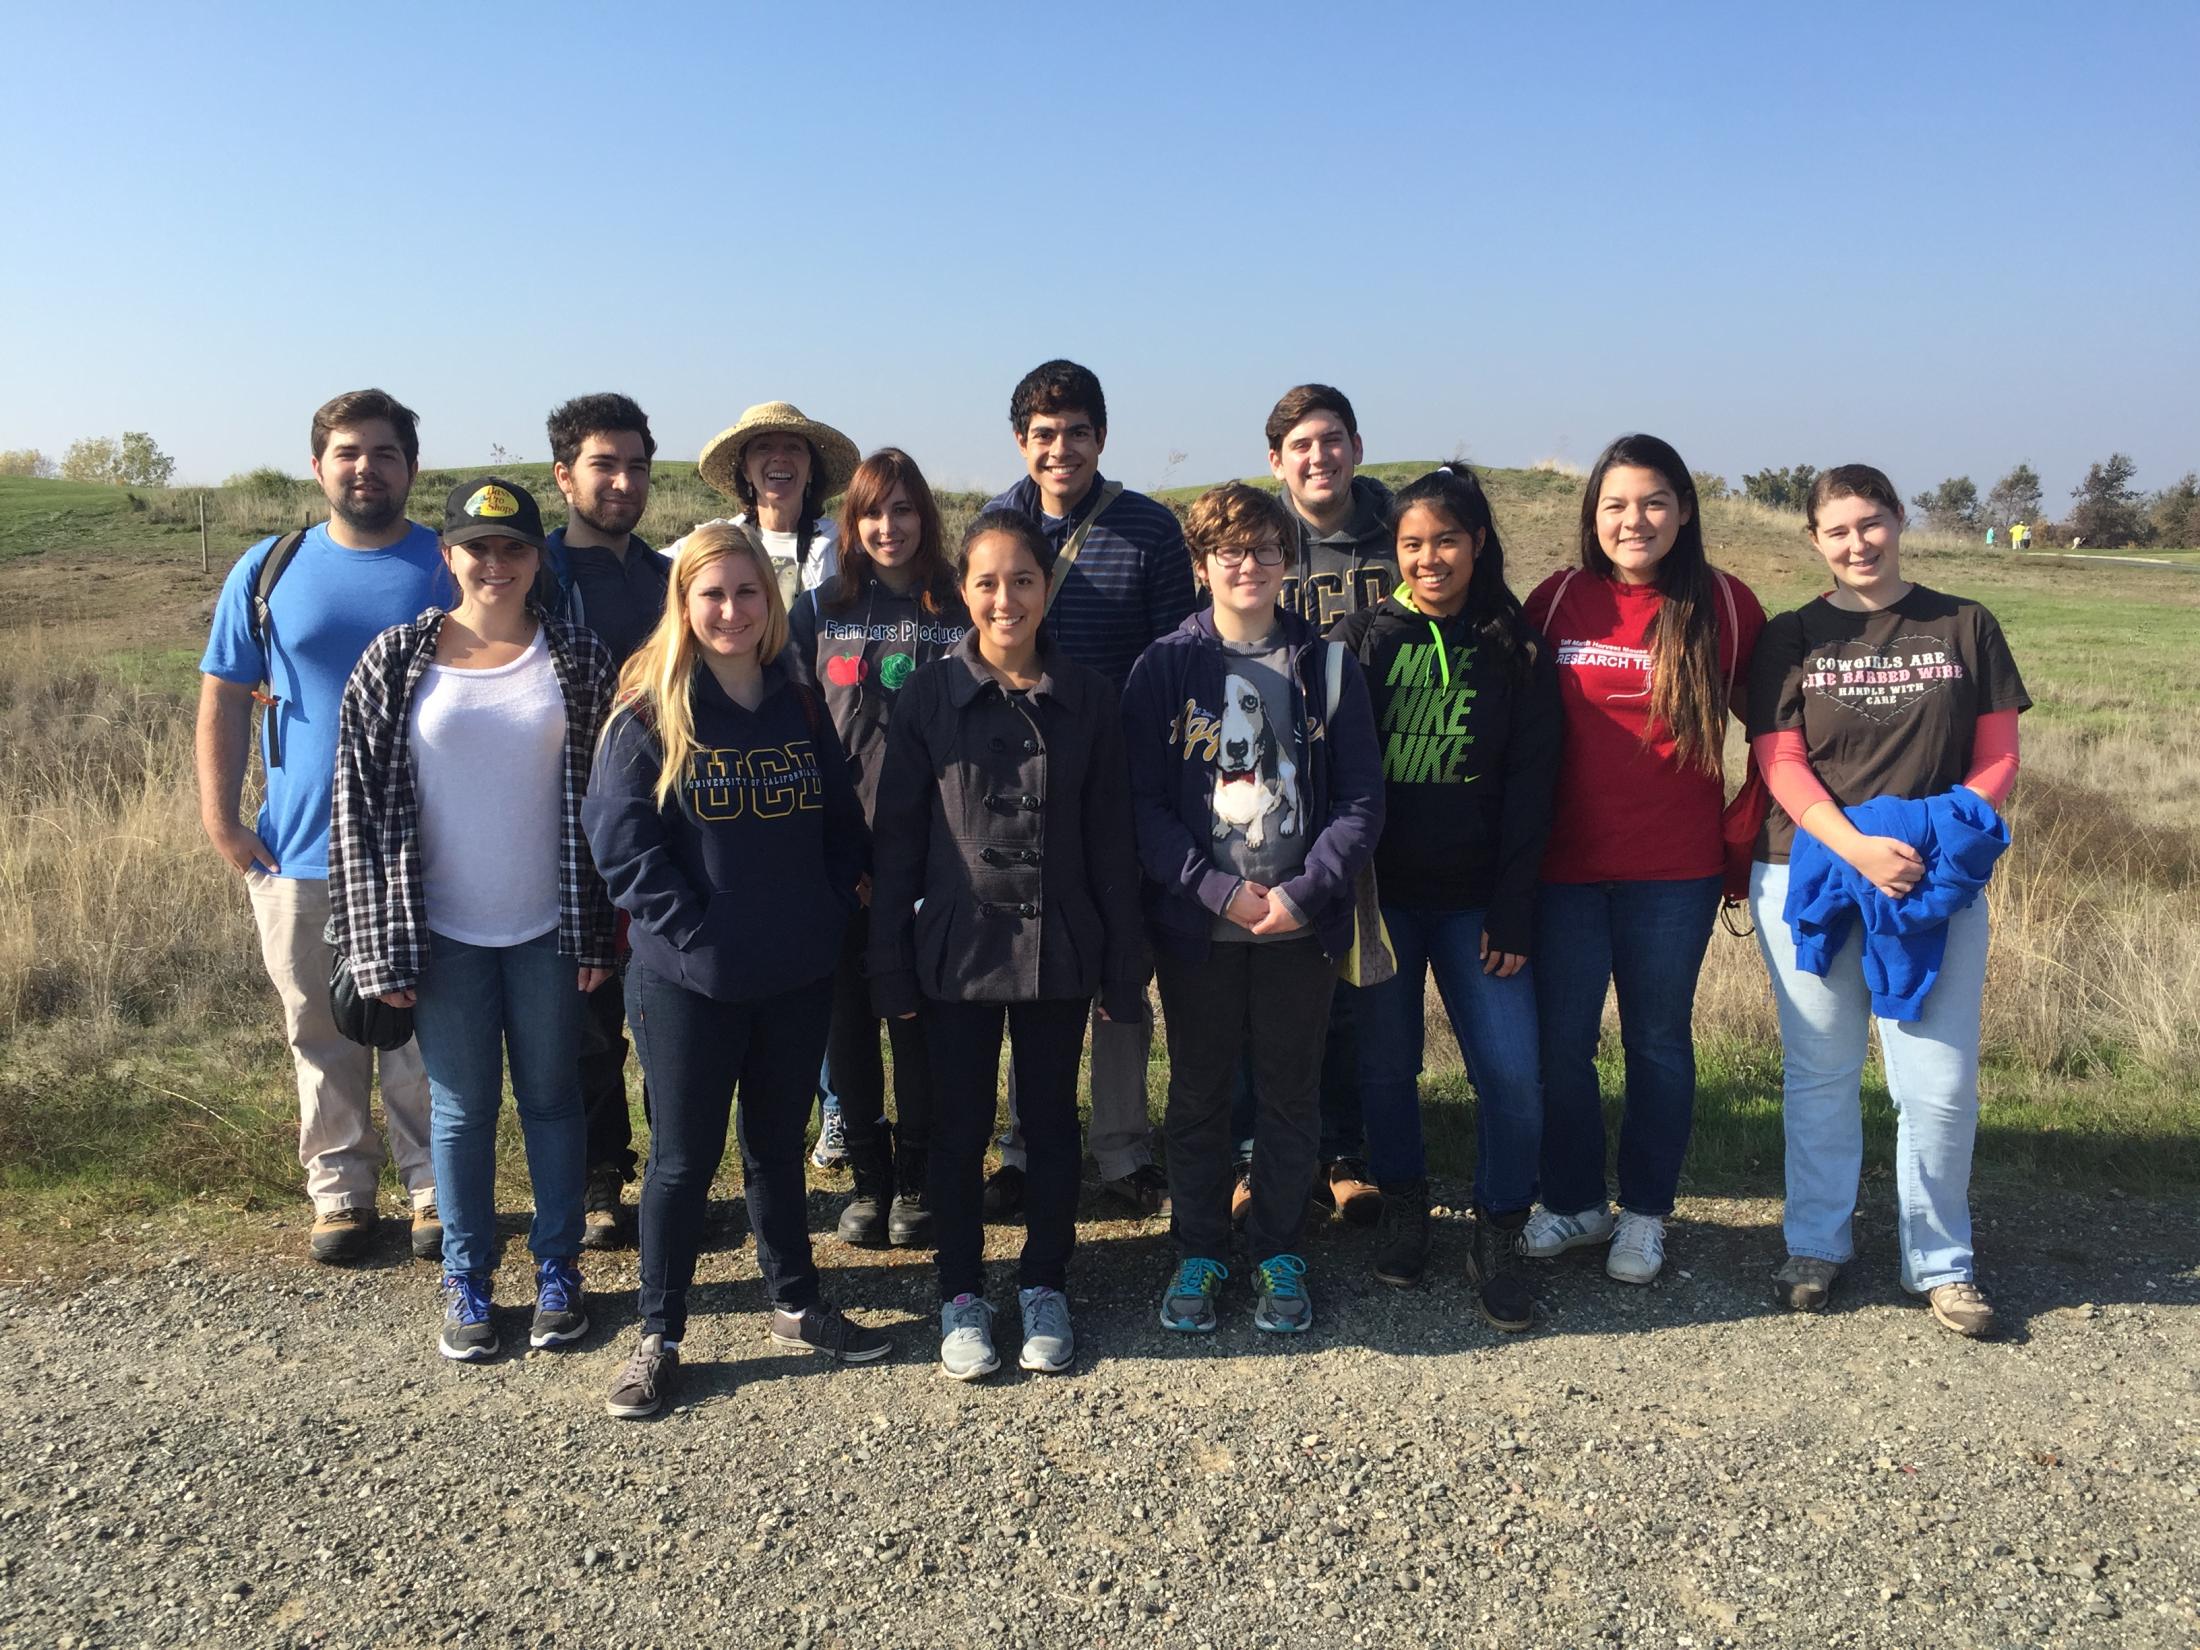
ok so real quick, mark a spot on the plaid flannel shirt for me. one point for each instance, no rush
(378, 915)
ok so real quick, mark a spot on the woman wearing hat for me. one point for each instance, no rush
(781, 468)
(461, 887)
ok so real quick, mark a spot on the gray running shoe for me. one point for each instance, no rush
(1049, 1346)
(1280, 1302)
(966, 1339)
(822, 1328)
(1188, 1304)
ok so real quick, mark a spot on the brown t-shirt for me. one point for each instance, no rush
(1887, 702)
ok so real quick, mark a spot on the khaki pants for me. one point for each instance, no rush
(337, 1144)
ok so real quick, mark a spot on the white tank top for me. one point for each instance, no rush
(488, 751)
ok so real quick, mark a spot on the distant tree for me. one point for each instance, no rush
(2108, 512)
(26, 461)
(1787, 489)
(94, 458)
(2175, 513)
(141, 463)
(2016, 497)
(1710, 487)
(134, 461)
(1952, 506)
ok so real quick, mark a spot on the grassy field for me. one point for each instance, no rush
(141, 1070)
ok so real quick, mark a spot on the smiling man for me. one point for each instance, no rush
(1126, 582)
(292, 619)
(597, 571)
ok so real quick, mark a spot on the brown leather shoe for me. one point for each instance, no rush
(1241, 1195)
(1355, 1197)
(1964, 1308)
(342, 1235)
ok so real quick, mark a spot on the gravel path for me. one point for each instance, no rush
(239, 1448)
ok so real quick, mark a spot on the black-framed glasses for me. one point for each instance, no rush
(1233, 555)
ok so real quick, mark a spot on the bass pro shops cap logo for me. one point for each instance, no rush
(492, 502)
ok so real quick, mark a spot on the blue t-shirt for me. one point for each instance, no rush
(328, 605)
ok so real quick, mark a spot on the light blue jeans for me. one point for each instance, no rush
(1932, 1074)
(475, 1002)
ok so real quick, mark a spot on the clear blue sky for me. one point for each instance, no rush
(1942, 238)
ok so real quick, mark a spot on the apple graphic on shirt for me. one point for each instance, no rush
(845, 669)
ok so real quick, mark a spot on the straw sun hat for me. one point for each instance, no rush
(836, 454)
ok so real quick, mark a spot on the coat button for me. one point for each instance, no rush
(1028, 909)
(1031, 747)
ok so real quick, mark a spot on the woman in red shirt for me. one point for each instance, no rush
(1651, 642)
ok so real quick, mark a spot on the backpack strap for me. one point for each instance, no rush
(1550, 613)
(1733, 631)
(1333, 678)
(1066, 557)
(262, 621)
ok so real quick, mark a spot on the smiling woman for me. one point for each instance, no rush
(468, 895)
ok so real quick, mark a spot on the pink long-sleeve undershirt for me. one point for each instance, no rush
(1785, 762)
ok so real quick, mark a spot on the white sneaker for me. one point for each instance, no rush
(1638, 1248)
(1049, 1346)
(1550, 1233)
(966, 1339)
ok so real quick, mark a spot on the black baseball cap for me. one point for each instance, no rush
(491, 507)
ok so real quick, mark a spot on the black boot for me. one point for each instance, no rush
(863, 1221)
(1402, 1238)
(1493, 1267)
(909, 1221)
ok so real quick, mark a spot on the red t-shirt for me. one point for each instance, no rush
(1626, 808)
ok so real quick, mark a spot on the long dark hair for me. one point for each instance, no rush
(868, 489)
(1455, 491)
(1687, 690)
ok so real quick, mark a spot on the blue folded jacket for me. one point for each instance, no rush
(1958, 835)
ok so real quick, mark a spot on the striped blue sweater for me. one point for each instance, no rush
(1132, 583)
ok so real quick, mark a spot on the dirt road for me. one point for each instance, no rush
(238, 1448)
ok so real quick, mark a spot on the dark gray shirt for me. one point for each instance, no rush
(1257, 824)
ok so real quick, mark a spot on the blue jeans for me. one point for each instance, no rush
(475, 1003)
(696, 1053)
(1646, 939)
(1932, 1074)
(1494, 1021)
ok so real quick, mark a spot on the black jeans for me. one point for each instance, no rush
(964, 1042)
(859, 1076)
(1344, 1126)
(603, 1080)
(1270, 1003)
(696, 1052)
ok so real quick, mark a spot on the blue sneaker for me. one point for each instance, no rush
(1188, 1304)
(468, 1336)
(559, 1319)
(1280, 1303)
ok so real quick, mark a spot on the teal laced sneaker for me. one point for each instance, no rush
(1188, 1304)
(1281, 1305)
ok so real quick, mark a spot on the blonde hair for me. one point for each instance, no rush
(658, 683)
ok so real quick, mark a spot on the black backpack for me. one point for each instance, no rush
(279, 558)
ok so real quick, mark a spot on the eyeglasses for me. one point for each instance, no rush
(1233, 555)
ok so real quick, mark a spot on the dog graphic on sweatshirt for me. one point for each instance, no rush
(1254, 777)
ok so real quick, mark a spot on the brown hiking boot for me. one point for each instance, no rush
(1804, 1283)
(342, 1235)
(1964, 1308)
(1241, 1195)
(427, 1232)
(1355, 1197)
(601, 1225)
(1145, 1190)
